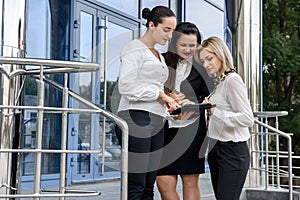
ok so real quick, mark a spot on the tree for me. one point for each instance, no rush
(30, 86)
(281, 61)
(110, 89)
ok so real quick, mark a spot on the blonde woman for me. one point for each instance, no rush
(229, 121)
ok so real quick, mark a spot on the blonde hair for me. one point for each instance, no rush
(218, 47)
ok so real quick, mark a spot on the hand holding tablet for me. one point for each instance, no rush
(197, 107)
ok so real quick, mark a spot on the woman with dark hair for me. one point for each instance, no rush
(143, 104)
(187, 83)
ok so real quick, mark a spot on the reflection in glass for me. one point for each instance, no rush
(38, 37)
(84, 141)
(217, 3)
(152, 3)
(117, 37)
(86, 39)
(85, 91)
(128, 6)
(47, 23)
(214, 17)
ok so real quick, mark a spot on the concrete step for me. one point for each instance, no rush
(270, 194)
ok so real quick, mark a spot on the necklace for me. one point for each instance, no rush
(220, 78)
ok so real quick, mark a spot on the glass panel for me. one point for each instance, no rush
(28, 135)
(46, 24)
(85, 90)
(84, 141)
(118, 36)
(218, 3)
(49, 165)
(86, 36)
(38, 37)
(214, 17)
(152, 3)
(127, 6)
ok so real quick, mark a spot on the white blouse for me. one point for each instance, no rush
(232, 115)
(183, 70)
(142, 77)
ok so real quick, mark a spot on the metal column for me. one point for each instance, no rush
(12, 36)
(245, 26)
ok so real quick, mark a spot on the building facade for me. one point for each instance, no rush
(90, 31)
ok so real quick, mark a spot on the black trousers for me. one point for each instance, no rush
(144, 152)
(229, 164)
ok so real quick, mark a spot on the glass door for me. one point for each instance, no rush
(84, 127)
(98, 37)
(114, 36)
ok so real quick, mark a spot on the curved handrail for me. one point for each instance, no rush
(265, 114)
(69, 65)
(58, 66)
(287, 136)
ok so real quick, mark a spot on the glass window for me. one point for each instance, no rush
(118, 36)
(48, 22)
(86, 37)
(217, 3)
(152, 3)
(209, 17)
(127, 6)
(38, 37)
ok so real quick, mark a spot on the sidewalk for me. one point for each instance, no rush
(110, 190)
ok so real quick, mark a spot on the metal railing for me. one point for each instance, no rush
(52, 67)
(270, 152)
(270, 159)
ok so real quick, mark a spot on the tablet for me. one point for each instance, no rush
(197, 107)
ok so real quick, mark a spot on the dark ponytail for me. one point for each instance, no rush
(157, 14)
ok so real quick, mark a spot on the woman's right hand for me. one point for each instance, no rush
(168, 101)
(178, 96)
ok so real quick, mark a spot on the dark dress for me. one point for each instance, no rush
(182, 145)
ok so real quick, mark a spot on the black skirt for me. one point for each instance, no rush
(181, 150)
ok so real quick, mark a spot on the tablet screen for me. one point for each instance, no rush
(193, 107)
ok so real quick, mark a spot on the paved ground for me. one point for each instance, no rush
(110, 190)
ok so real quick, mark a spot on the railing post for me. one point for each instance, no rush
(277, 152)
(63, 156)
(39, 135)
(266, 156)
(124, 175)
(290, 168)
